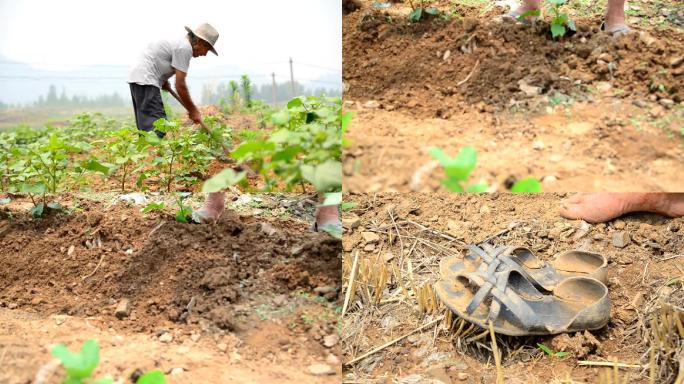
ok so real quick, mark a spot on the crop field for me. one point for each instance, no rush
(397, 330)
(98, 251)
(577, 110)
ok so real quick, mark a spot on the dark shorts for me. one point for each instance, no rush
(148, 106)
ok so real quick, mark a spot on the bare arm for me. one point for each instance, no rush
(184, 95)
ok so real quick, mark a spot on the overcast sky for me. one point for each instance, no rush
(258, 35)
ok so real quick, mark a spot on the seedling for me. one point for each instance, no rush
(421, 10)
(550, 352)
(527, 185)
(458, 169)
(79, 366)
(560, 22)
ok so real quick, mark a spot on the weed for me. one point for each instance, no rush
(421, 11)
(458, 169)
(550, 352)
(79, 366)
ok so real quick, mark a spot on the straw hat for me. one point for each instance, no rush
(207, 33)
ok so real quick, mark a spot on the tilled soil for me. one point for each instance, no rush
(404, 236)
(419, 67)
(229, 278)
(587, 113)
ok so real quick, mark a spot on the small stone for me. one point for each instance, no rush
(370, 237)
(60, 319)
(646, 38)
(619, 224)
(331, 340)
(462, 376)
(605, 57)
(538, 145)
(388, 256)
(123, 309)
(529, 90)
(485, 209)
(37, 301)
(667, 103)
(549, 179)
(351, 221)
(621, 239)
(447, 54)
(371, 104)
(554, 233)
(222, 347)
(195, 337)
(676, 61)
(603, 86)
(332, 360)
(268, 229)
(369, 248)
(639, 103)
(177, 371)
(71, 250)
(166, 337)
(320, 370)
(118, 340)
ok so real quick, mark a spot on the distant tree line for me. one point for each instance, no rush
(53, 100)
(213, 94)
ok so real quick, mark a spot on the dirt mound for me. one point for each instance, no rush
(435, 67)
(84, 264)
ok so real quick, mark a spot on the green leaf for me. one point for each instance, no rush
(152, 377)
(37, 211)
(55, 206)
(557, 2)
(477, 188)
(78, 365)
(431, 11)
(332, 198)
(527, 185)
(182, 215)
(345, 119)
(104, 381)
(452, 185)
(296, 102)
(347, 206)
(562, 354)
(286, 154)
(33, 189)
(416, 14)
(325, 177)
(5, 200)
(251, 146)
(557, 30)
(460, 167)
(530, 13)
(223, 180)
(544, 348)
(95, 166)
(152, 206)
(571, 25)
(281, 118)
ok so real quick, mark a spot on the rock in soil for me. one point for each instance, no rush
(166, 337)
(621, 239)
(331, 340)
(370, 237)
(123, 309)
(321, 370)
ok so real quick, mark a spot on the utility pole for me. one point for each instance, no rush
(273, 90)
(292, 79)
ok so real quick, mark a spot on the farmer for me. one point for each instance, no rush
(159, 62)
(613, 23)
(605, 206)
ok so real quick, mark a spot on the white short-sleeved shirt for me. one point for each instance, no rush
(159, 61)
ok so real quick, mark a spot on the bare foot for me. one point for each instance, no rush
(211, 210)
(604, 206)
(328, 215)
